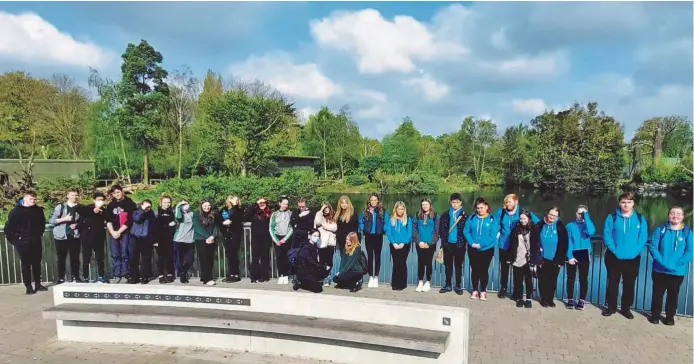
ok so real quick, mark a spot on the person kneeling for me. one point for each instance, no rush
(309, 272)
(352, 265)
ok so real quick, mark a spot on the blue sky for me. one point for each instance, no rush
(435, 62)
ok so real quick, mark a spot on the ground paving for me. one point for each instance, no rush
(499, 333)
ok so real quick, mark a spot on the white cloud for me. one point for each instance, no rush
(529, 106)
(382, 45)
(541, 65)
(432, 89)
(303, 81)
(306, 112)
(29, 38)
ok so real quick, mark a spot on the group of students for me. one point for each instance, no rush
(305, 245)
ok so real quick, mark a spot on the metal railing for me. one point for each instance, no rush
(10, 271)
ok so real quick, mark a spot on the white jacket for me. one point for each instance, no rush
(327, 230)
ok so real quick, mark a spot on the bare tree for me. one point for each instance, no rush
(184, 89)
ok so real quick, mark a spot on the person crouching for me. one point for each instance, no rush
(310, 273)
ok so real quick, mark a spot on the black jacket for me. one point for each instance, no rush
(534, 257)
(25, 225)
(445, 224)
(260, 223)
(92, 223)
(344, 228)
(307, 261)
(236, 217)
(163, 233)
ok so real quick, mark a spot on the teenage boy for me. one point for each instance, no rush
(24, 229)
(453, 243)
(625, 234)
(92, 233)
(118, 222)
(66, 220)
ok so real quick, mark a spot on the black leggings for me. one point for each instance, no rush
(93, 242)
(374, 246)
(206, 259)
(281, 255)
(453, 259)
(425, 258)
(547, 280)
(348, 279)
(399, 276)
(186, 254)
(520, 275)
(260, 257)
(583, 268)
(72, 247)
(325, 255)
(232, 243)
(165, 258)
(665, 283)
(479, 264)
(504, 265)
(141, 259)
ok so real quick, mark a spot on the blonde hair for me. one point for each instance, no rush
(228, 200)
(344, 214)
(510, 196)
(354, 238)
(394, 217)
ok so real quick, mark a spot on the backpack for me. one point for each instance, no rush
(293, 256)
(614, 217)
(662, 229)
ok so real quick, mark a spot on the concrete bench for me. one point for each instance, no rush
(326, 327)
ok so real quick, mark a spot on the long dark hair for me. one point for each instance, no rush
(263, 214)
(206, 218)
(424, 216)
(367, 211)
(525, 229)
(331, 215)
(482, 200)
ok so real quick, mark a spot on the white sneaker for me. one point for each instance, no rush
(210, 283)
(375, 282)
(427, 287)
(280, 280)
(286, 280)
(420, 286)
(371, 282)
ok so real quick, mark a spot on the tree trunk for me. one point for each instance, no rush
(657, 146)
(180, 149)
(325, 160)
(145, 167)
(125, 158)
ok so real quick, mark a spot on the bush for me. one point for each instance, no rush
(421, 183)
(460, 180)
(356, 180)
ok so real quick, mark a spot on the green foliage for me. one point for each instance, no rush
(332, 137)
(663, 173)
(52, 191)
(421, 183)
(356, 180)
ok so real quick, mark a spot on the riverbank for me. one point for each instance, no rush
(344, 188)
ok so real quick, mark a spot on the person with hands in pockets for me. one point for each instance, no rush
(481, 231)
(578, 256)
(399, 233)
(425, 233)
(625, 233)
(671, 248)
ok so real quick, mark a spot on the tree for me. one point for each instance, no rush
(346, 136)
(67, 113)
(671, 134)
(145, 94)
(318, 132)
(478, 135)
(519, 152)
(184, 88)
(400, 151)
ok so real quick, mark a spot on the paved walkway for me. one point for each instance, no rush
(500, 333)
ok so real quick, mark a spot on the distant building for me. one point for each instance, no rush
(46, 169)
(285, 162)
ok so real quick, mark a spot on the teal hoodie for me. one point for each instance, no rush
(625, 237)
(482, 231)
(579, 235)
(398, 234)
(671, 249)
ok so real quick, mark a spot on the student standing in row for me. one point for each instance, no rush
(184, 239)
(66, 220)
(481, 232)
(554, 242)
(525, 255)
(326, 225)
(118, 222)
(352, 265)
(230, 223)
(92, 233)
(259, 216)
(164, 234)
(425, 235)
(24, 229)
(302, 223)
(508, 217)
(671, 248)
(347, 221)
(142, 232)
(580, 250)
(281, 234)
(625, 233)
(453, 243)
(371, 224)
(205, 233)
(399, 233)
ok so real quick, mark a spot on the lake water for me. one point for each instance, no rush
(653, 208)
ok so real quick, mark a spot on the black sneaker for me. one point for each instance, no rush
(445, 289)
(551, 304)
(356, 288)
(170, 278)
(119, 280)
(295, 286)
(60, 281)
(30, 289)
(654, 320)
(571, 304)
(144, 280)
(162, 280)
(502, 293)
(608, 312)
(669, 321)
(458, 290)
(132, 281)
(528, 304)
(519, 303)
(38, 287)
(544, 303)
(627, 313)
(184, 279)
(227, 280)
(81, 280)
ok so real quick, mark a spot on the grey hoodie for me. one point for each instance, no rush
(184, 232)
(60, 229)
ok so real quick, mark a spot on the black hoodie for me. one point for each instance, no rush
(25, 224)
